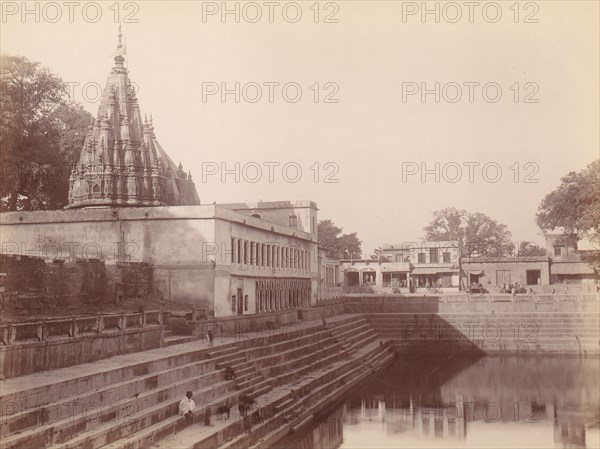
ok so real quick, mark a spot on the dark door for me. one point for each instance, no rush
(240, 302)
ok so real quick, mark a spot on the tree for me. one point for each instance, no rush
(338, 246)
(41, 134)
(574, 206)
(476, 233)
(530, 249)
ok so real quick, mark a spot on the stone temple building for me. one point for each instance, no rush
(122, 163)
(136, 218)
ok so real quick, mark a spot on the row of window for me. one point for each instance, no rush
(282, 295)
(331, 276)
(434, 257)
(245, 252)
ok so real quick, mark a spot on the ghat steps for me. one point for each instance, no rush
(576, 333)
(132, 401)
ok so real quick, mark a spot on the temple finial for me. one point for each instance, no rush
(119, 37)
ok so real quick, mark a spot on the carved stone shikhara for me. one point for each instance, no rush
(122, 163)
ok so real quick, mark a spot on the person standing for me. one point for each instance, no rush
(209, 337)
(187, 405)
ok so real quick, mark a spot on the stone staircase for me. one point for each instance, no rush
(170, 338)
(573, 333)
(302, 373)
(134, 403)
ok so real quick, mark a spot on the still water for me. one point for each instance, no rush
(465, 402)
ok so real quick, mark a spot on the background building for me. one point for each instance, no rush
(422, 265)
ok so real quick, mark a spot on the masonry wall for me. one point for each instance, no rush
(168, 238)
(178, 242)
(517, 271)
(32, 285)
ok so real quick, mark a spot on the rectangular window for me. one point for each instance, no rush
(293, 221)
(421, 258)
(433, 256)
(446, 256)
(398, 257)
(558, 250)
(239, 251)
(233, 250)
(246, 303)
(245, 252)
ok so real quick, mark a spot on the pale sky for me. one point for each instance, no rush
(372, 134)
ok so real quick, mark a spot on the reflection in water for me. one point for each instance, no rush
(468, 402)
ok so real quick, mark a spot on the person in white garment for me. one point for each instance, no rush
(186, 406)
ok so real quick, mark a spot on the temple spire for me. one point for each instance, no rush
(121, 163)
(119, 37)
(120, 55)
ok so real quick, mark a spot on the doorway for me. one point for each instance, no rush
(240, 302)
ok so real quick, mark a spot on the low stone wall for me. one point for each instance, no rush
(519, 307)
(469, 303)
(310, 314)
(260, 322)
(391, 304)
(21, 359)
(57, 343)
(243, 323)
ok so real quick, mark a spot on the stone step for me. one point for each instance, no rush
(118, 370)
(426, 347)
(486, 314)
(316, 389)
(303, 365)
(153, 434)
(217, 352)
(238, 360)
(349, 341)
(271, 359)
(176, 340)
(107, 395)
(249, 368)
(441, 322)
(121, 411)
(215, 355)
(490, 337)
(246, 380)
(264, 386)
(161, 420)
(295, 342)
